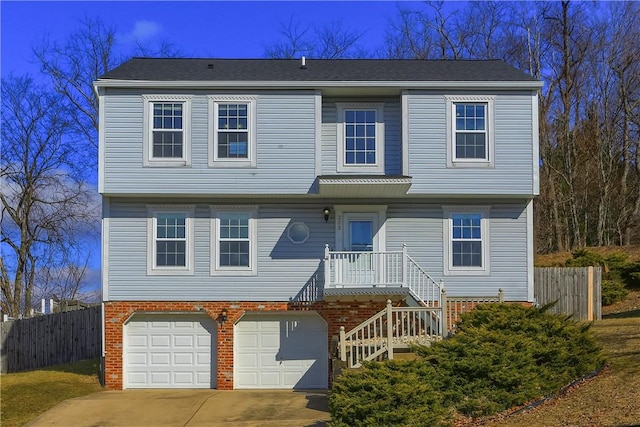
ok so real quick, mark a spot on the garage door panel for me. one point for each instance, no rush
(160, 359)
(183, 359)
(160, 341)
(183, 341)
(281, 351)
(170, 351)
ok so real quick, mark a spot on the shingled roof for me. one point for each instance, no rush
(316, 70)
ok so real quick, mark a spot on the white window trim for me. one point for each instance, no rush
(447, 238)
(148, 159)
(214, 101)
(488, 161)
(216, 269)
(378, 167)
(152, 268)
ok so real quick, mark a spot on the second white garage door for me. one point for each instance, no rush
(281, 351)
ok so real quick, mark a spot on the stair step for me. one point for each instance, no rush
(405, 356)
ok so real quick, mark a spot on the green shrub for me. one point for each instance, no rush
(630, 273)
(503, 355)
(617, 272)
(613, 291)
(394, 393)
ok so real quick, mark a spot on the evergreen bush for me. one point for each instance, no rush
(503, 355)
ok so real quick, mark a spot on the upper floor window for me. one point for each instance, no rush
(361, 138)
(232, 131)
(171, 240)
(466, 240)
(234, 231)
(167, 130)
(470, 131)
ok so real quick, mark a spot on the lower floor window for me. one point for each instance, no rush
(466, 237)
(466, 242)
(234, 242)
(171, 234)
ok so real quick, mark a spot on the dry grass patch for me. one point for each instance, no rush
(610, 399)
(25, 395)
(560, 258)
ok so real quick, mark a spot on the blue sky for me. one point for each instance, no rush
(225, 29)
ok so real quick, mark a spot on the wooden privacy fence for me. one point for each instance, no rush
(50, 339)
(577, 290)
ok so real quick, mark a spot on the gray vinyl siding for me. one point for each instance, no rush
(392, 135)
(421, 228)
(512, 173)
(285, 148)
(285, 268)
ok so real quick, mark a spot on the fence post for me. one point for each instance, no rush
(405, 265)
(389, 329)
(327, 266)
(500, 296)
(343, 345)
(590, 294)
(443, 308)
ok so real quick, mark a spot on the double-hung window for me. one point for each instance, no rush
(232, 130)
(171, 240)
(167, 130)
(234, 244)
(470, 131)
(360, 138)
(466, 240)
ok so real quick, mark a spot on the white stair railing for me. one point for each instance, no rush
(393, 327)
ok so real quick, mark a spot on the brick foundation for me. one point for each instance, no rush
(348, 314)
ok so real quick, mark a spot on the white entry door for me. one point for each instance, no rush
(360, 235)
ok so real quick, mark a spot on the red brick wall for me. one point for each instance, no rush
(336, 314)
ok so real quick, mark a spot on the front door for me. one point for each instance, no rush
(360, 236)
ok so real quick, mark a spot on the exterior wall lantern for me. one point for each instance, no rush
(223, 317)
(326, 212)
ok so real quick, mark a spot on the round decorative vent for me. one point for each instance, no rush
(298, 232)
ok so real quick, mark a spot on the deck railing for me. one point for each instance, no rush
(351, 269)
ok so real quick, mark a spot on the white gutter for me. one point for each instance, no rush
(533, 85)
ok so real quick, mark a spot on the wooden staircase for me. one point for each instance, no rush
(391, 330)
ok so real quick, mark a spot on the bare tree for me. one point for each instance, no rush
(331, 41)
(46, 206)
(75, 63)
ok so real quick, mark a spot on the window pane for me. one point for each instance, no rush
(167, 144)
(360, 134)
(171, 254)
(371, 116)
(466, 246)
(233, 145)
(470, 145)
(349, 116)
(234, 254)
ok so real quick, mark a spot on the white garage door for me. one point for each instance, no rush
(281, 351)
(170, 351)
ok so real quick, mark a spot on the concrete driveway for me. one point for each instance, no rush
(191, 408)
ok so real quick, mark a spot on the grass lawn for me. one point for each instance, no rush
(25, 395)
(610, 399)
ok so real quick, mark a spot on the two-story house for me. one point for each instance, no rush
(253, 207)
